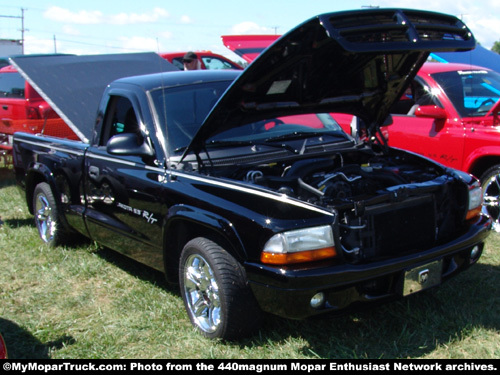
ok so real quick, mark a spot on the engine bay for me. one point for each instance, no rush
(380, 199)
(339, 179)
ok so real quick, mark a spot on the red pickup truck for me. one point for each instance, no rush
(207, 60)
(450, 113)
(23, 109)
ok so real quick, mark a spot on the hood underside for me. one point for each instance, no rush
(356, 62)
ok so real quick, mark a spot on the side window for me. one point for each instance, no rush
(120, 118)
(178, 63)
(416, 94)
(214, 63)
(11, 85)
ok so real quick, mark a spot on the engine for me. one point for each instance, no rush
(331, 181)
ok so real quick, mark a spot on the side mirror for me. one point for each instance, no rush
(128, 144)
(432, 111)
(388, 121)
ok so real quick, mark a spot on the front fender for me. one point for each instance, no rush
(211, 222)
(475, 157)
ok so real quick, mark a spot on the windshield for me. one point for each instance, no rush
(181, 110)
(472, 92)
(282, 129)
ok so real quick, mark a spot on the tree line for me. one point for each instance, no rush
(496, 47)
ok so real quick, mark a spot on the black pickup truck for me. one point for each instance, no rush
(241, 187)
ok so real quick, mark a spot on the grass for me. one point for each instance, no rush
(89, 302)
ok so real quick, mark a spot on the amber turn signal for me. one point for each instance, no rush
(471, 214)
(297, 257)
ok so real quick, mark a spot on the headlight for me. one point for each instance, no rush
(475, 200)
(298, 246)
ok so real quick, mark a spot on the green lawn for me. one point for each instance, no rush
(89, 302)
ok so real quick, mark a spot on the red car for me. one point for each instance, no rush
(23, 109)
(450, 113)
(207, 60)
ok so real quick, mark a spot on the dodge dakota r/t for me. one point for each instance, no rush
(241, 187)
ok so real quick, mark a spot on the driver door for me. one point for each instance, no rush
(125, 209)
(432, 133)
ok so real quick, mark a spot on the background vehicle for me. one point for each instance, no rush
(207, 59)
(248, 47)
(23, 109)
(450, 113)
(217, 179)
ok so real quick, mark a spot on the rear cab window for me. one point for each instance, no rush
(11, 85)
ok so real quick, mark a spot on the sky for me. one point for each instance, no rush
(111, 26)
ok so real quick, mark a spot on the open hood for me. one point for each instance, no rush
(355, 62)
(73, 85)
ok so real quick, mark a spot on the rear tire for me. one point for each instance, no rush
(215, 291)
(47, 215)
(490, 182)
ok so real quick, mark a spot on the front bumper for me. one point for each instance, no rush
(287, 291)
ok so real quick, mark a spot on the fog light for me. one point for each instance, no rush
(318, 300)
(475, 253)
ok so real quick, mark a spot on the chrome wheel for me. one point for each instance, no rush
(491, 198)
(215, 290)
(47, 219)
(202, 293)
(43, 218)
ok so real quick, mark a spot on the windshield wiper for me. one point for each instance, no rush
(301, 135)
(228, 143)
(223, 143)
(219, 143)
(181, 148)
(269, 141)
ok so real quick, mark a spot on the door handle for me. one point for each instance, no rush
(93, 172)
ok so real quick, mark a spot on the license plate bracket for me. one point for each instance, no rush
(422, 277)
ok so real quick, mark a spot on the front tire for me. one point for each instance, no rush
(215, 291)
(490, 182)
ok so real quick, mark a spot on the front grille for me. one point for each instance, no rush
(390, 229)
(403, 228)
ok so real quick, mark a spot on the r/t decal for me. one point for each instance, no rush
(149, 217)
(145, 214)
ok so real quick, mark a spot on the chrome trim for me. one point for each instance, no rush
(124, 162)
(283, 198)
(56, 148)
